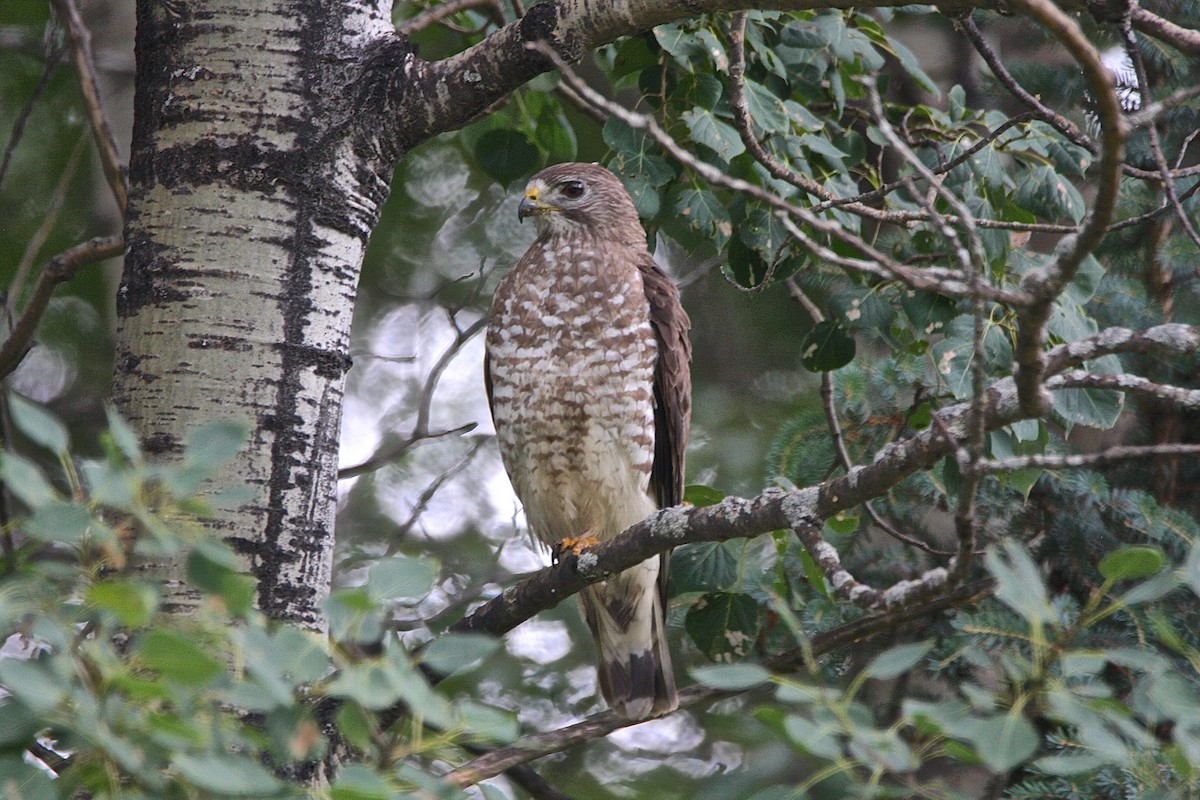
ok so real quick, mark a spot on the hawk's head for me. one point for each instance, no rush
(575, 198)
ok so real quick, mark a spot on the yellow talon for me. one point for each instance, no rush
(573, 545)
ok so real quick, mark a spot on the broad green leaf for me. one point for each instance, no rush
(1004, 741)
(59, 521)
(895, 661)
(699, 495)
(1094, 408)
(703, 212)
(766, 110)
(21, 781)
(1019, 582)
(724, 625)
(827, 347)
(1131, 563)
(715, 134)
(821, 740)
(731, 677)
(212, 567)
(858, 309)
(226, 774)
(506, 155)
(178, 658)
(42, 427)
(359, 782)
(210, 446)
(487, 724)
(123, 436)
(23, 478)
(453, 652)
(705, 567)
(402, 578)
(32, 682)
(133, 603)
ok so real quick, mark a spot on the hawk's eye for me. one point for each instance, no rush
(573, 190)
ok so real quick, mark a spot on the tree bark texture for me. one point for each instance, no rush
(251, 205)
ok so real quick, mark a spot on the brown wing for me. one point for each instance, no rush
(672, 384)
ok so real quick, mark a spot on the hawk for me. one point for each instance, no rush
(586, 368)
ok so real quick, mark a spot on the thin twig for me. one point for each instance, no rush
(449, 8)
(60, 268)
(81, 52)
(1160, 160)
(53, 59)
(420, 431)
(1111, 455)
(49, 219)
(823, 643)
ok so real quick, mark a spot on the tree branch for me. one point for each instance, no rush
(489, 71)
(1045, 284)
(604, 723)
(736, 517)
(60, 268)
(81, 52)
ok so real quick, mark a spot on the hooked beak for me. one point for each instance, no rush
(532, 204)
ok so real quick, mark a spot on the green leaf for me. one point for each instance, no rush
(506, 154)
(177, 658)
(699, 495)
(212, 567)
(226, 774)
(455, 652)
(718, 136)
(827, 347)
(59, 521)
(930, 313)
(895, 661)
(360, 782)
(133, 603)
(42, 427)
(402, 578)
(213, 444)
(32, 683)
(21, 781)
(25, 480)
(731, 677)
(766, 110)
(123, 436)
(704, 213)
(1004, 741)
(487, 724)
(1131, 563)
(1094, 408)
(724, 625)
(1019, 583)
(705, 567)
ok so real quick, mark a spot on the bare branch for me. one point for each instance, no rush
(420, 431)
(1170, 340)
(1045, 284)
(60, 268)
(1183, 39)
(53, 59)
(1078, 379)
(81, 52)
(441, 11)
(1111, 455)
(1160, 160)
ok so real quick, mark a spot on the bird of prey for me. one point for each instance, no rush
(586, 366)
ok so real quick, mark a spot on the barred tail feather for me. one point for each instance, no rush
(628, 621)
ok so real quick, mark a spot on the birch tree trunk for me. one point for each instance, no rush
(251, 206)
